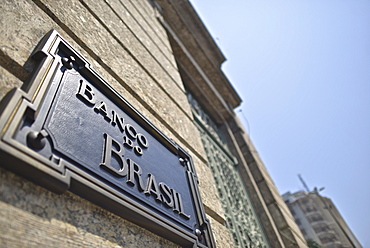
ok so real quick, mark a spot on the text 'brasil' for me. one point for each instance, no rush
(114, 150)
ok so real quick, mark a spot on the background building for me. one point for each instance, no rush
(159, 57)
(320, 220)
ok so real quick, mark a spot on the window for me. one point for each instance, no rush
(241, 219)
(292, 211)
(321, 228)
(298, 221)
(328, 238)
(315, 218)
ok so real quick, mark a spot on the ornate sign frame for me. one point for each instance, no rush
(68, 129)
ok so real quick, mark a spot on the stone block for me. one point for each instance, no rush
(221, 234)
(7, 82)
(277, 216)
(134, 33)
(208, 191)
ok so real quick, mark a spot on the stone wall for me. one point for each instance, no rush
(130, 49)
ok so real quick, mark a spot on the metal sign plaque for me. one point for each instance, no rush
(68, 129)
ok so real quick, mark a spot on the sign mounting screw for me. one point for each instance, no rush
(198, 233)
(37, 139)
(68, 62)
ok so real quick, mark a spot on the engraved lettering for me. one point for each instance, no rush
(178, 206)
(142, 140)
(120, 167)
(152, 188)
(102, 109)
(86, 93)
(131, 131)
(113, 155)
(134, 172)
(118, 120)
(127, 142)
(113, 148)
(166, 195)
(138, 150)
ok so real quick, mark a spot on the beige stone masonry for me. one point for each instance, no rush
(8, 82)
(152, 30)
(222, 235)
(31, 216)
(138, 39)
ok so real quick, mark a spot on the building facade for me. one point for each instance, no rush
(158, 57)
(320, 220)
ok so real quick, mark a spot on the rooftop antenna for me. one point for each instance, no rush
(303, 182)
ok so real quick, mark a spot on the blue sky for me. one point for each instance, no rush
(302, 68)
